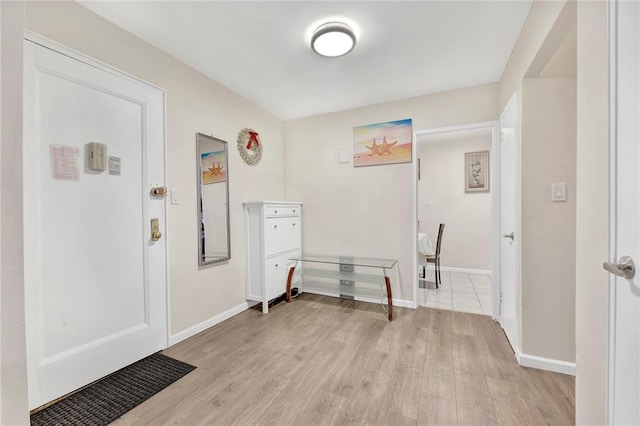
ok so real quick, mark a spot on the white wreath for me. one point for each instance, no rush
(252, 155)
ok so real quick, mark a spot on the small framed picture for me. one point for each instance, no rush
(476, 171)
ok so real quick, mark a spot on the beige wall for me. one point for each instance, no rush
(548, 228)
(592, 220)
(542, 17)
(13, 372)
(194, 103)
(367, 211)
(540, 21)
(467, 239)
(546, 317)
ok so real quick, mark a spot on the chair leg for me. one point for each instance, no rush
(438, 276)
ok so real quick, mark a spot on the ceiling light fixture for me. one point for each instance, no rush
(333, 39)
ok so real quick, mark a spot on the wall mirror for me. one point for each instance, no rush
(213, 200)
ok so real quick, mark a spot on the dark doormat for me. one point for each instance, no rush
(109, 398)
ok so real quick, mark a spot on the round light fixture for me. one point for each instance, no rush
(333, 39)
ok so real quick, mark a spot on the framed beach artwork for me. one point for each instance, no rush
(382, 143)
(212, 166)
(476, 171)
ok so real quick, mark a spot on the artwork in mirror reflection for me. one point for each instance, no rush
(213, 167)
(213, 200)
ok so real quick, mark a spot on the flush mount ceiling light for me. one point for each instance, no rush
(333, 39)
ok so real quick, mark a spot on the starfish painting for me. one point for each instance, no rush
(389, 142)
(215, 170)
(374, 148)
(386, 147)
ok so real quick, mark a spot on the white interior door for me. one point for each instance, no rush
(508, 295)
(624, 356)
(95, 282)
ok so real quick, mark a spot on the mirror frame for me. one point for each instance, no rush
(201, 260)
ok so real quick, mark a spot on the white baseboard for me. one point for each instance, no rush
(463, 270)
(192, 331)
(547, 364)
(401, 303)
(396, 302)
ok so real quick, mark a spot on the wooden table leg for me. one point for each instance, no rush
(389, 297)
(289, 278)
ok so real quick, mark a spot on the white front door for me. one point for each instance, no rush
(508, 295)
(624, 312)
(95, 282)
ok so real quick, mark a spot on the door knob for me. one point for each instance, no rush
(626, 268)
(511, 235)
(159, 191)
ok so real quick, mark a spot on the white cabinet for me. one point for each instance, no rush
(273, 237)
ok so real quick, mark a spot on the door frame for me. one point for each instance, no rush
(81, 57)
(494, 179)
(513, 100)
(613, 26)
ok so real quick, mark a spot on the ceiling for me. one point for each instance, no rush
(261, 51)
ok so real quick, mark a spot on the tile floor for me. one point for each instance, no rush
(459, 291)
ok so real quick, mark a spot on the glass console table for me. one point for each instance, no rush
(356, 277)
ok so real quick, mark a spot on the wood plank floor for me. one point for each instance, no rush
(322, 360)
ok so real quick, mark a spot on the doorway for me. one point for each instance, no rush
(456, 185)
(95, 276)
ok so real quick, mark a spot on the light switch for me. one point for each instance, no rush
(344, 156)
(558, 192)
(175, 197)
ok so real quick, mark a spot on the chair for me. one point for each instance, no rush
(435, 258)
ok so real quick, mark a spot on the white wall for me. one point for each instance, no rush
(592, 214)
(540, 44)
(194, 103)
(13, 372)
(367, 211)
(467, 237)
(548, 228)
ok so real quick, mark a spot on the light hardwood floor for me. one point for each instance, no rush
(322, 360)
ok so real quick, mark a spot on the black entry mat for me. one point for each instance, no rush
(109, 398)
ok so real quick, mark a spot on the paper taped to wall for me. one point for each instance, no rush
(64, 162)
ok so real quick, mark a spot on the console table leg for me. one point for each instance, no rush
(289, 278)
(389, 297)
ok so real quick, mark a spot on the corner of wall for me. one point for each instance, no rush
(14, 407)
(592, 213)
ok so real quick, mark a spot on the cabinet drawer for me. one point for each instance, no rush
(279, 211)
(276, 272)
(281, 234)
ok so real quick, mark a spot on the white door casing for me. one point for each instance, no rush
(624, 294)
(495, 196)
(508, 246)
(95, 283)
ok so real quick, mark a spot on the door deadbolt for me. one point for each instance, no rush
(155, 230)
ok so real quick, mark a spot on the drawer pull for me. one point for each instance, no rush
(276, 266)
(294, 224)
(275, 212)
(294, 211)
(275, 226)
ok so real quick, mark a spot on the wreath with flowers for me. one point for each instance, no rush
(250, 146)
